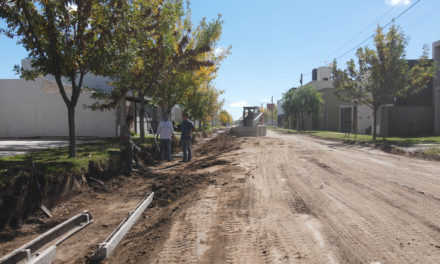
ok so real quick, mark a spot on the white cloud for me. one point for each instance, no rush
(238, 104)
(398, 2)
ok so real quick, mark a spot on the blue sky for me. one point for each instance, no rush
(273, 42)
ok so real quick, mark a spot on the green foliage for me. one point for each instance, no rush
(202, 102)
(225, 118)
(168, 59)
(398, 141)
(382, 74)
(56, 161)
(148, 47)
(300, 102)
(270, 115)
(189, 51)
(64, 39)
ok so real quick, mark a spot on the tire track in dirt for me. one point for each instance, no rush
(362, 206)
(293, 199)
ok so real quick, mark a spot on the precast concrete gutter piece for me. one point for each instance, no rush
(46, 257)
(58, 234)
(107, 247)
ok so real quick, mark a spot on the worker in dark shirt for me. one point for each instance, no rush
(187, 128)
(129, 149)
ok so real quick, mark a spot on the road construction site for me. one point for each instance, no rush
(282, 198)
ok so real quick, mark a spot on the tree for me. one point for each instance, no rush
(225, 118)
(166, 55)
(202, 102)
(382, 74)
(201, 99)
(187, 51)
(148, 26)
(270, 115)
(300, 102)
(64, 39)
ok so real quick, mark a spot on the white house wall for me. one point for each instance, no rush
(90, 80)
(365, 118)
(36, 109)
(280, 110)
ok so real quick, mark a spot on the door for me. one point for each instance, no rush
(346, 121)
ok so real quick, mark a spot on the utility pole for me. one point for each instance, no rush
(271, 112)
(301, 80)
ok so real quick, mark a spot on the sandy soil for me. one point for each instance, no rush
(295, 199)
(278, 199)
(173, 182)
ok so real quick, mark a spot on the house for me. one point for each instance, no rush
(36, 109)
(409, 116)
(336, 114)
(417, 114)
(436, 88)
(280, 113)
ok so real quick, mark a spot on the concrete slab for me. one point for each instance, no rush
(17, 147)
(419, 147)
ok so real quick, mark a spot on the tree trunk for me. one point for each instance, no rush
(303, 122)
(374, 123)
(72, 135)
(355, 122)
(142, 116)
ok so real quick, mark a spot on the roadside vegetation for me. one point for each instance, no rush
(225, 118)
(399, 141)
(55, 161)
(148, 48)
(300, 103)
(382, 74)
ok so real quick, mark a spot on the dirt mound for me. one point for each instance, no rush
(174, 188)
(173, 183)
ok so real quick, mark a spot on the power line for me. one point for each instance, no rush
(360, 33)
(422, 18)
(389, 23)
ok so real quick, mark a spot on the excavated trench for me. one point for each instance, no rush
(66, 195)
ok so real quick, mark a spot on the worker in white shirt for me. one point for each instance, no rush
(166, 132)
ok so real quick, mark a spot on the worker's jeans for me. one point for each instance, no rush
(165, 145)
(129, 152)
(186, 149)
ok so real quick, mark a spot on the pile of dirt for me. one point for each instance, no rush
(173, 183)
(174, 189)
(21, 198)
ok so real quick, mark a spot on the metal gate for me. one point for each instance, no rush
(346, 120)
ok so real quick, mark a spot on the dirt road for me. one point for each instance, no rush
(277, 199)
(295, 199)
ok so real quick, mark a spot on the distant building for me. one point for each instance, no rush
(409, 116)
(417, 114)
(36, 109)
(436, 88)
(336, 114)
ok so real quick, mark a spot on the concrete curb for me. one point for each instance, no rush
(59, 233)
(107, 247)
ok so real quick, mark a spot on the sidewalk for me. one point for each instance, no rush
(23, 146)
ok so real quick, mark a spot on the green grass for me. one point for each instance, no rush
(400, 141)
(432, 151)
(56, 161)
